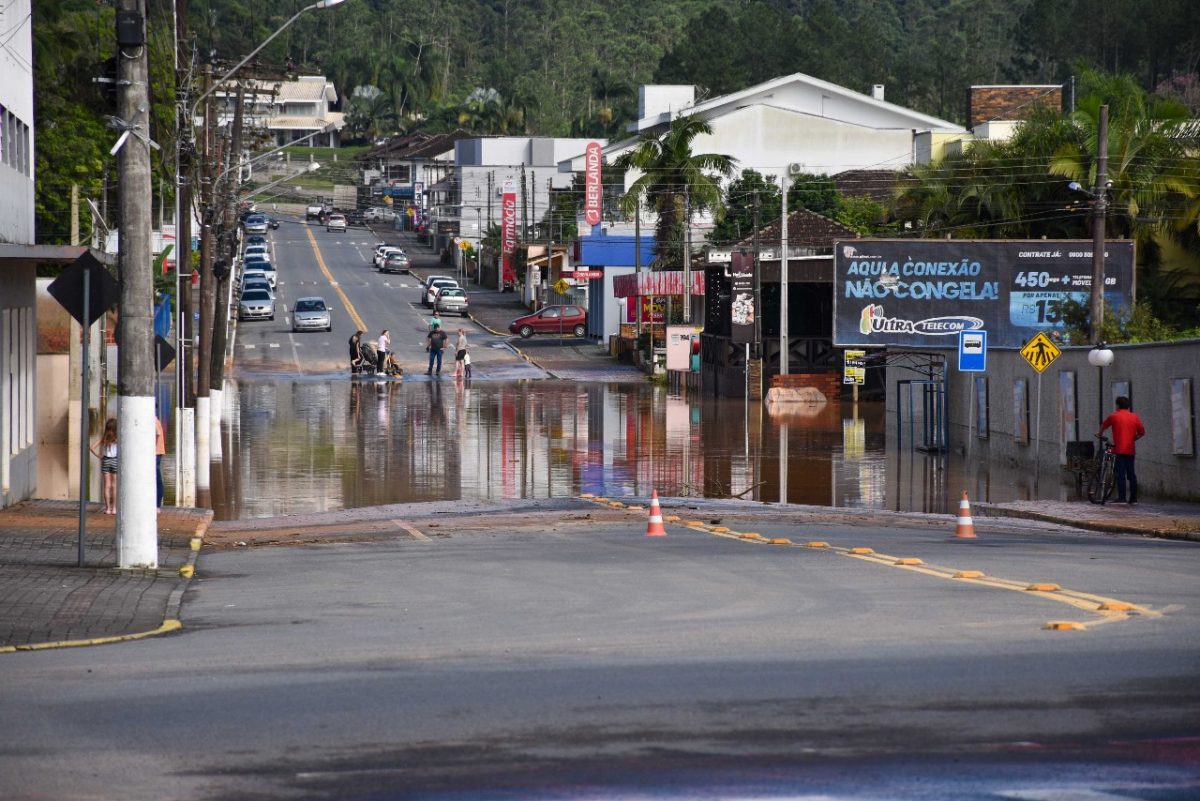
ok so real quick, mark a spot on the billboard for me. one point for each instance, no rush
(508, 235)
(924, 292)
(593, 191)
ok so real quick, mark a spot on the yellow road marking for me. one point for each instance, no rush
(329, 276)
(411, 529)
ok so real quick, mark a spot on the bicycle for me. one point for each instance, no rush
(1103, 479)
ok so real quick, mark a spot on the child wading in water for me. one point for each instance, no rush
(105, 450)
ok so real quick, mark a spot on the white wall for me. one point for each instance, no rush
(16, 137)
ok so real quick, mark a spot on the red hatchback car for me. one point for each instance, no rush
(552, 320)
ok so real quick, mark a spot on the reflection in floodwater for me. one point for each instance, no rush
(293, 447)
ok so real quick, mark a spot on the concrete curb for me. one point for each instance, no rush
(169, 625)
(990, 510)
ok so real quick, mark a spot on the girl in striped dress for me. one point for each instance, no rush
(105, 450)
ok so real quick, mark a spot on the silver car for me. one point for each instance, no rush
(395, 262)
(432, 285)
(256, 304)
(311, 314)
(451, 300)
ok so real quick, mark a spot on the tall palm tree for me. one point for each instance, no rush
(674, 182)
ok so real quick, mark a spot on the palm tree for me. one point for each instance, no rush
(674, 181)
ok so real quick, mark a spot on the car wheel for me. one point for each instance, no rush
(328, 329)
(271, 318)
(464, 314)
(579, 330)
(525, 331)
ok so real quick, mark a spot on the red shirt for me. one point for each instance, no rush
(1126, 427)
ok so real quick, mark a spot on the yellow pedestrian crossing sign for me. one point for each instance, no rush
(561, 286)
(1040, 352)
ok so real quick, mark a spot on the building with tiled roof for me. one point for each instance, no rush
(286, 111)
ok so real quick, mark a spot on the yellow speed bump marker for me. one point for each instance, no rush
(186, 571)
(671, 518)
(616, 504)
(1043, 588)
(599, 499)
(1064, 625)
(1116, 606)
(694, 524)
(908, 561)
(720, 529)
(781, 541)
(636, 507)
(861, 551)
(751, 535)
(816, 544)
(587, 495)
(969, 574)
(195, 543)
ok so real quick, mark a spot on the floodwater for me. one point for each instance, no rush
(318, 445)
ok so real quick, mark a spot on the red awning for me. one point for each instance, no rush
(647, 284)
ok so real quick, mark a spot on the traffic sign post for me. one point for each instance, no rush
(972, 351)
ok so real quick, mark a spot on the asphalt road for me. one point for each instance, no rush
(338, 266)
(563, 654)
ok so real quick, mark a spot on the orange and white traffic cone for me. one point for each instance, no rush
(965, 530)
(655, 528)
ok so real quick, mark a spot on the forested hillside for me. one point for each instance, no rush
(563, 65)
(572, 67)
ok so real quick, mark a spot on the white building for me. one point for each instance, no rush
(286, 110)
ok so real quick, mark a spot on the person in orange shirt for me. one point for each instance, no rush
(1127, 429)
(160, 448)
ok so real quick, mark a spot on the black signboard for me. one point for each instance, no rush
(103, 290)
(924, 292)
(742, 306)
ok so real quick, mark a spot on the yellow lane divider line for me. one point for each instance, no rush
(329, 277)
(1107, 609)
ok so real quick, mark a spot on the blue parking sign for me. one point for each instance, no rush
(972, 351)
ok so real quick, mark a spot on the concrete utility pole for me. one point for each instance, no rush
(1099, 212)
(687, 257)
(783, 279)
(137, 523)
(227, 248)
(203, 361)
(185, 403)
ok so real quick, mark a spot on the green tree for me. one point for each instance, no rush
(675, 182)
(738, 222)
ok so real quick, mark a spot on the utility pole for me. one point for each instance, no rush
(687, 257)
(185, 402)
(637, 261)
(227, 243)
(137, 524)
(783, 279)
(203, 361)
(757, 285)
(1099, 212)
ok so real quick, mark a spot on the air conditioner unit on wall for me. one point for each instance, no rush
(795, 168)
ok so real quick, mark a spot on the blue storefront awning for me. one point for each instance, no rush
(398, 191)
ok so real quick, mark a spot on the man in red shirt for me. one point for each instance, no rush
(1127, 428)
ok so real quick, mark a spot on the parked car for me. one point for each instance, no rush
(551, 320)
(356, 218)
(257, 283)
(432, 288)
(256, 304)
(336, 222)
(256, 239)
(379, 214)
(259, 250)
(256, 223)
(383, 251)
(395, 262)
(311, 314)
(314, 210)
(451, 300)
(429, 280)
(273, 223)
(263, 266)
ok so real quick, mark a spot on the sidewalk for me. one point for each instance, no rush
(1167, 519)
(46, 600)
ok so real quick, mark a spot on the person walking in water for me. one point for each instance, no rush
(381, 350)
(1126, 428)
(460, 353)
(105, 450)
(356, 355)
(435, 341)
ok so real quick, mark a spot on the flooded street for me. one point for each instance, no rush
(323, 443)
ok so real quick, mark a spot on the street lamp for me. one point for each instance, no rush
(1100, 357)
